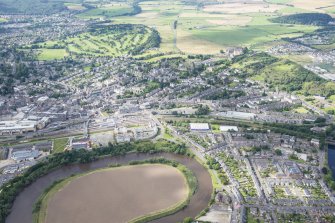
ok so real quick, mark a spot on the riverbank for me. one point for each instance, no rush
(23, 206)
(11, 189)
(189, 181)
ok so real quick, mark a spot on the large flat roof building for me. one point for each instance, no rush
(199, 126)
(25, 155)
(238, 115)
(14, 127)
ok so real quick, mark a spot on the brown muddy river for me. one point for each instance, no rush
(111, 193)
(23, 205)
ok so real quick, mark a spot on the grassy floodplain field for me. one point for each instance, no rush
(134, 180)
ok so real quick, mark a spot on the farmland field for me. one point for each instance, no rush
(188, 28)
(34, 6)
(74, 6)
(237, 8)
(210, 28)
(108, 10)
(111, 193)
(319, 6)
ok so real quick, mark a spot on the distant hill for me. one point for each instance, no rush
(317, 19)
(33, 6)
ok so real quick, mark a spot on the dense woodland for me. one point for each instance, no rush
(9, 73)
(316, 19)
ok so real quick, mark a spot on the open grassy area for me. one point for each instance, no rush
(2, 20)
(311, 5)
(192, 28)
(34, 6)
(258, 31)
(60, 144)
(301, 110)
(277, 73)
(108, 10)
(167, 134)
(52, 54)
(113, 40)
(211, 28)
(74, 6)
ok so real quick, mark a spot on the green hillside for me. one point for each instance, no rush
(275, 72)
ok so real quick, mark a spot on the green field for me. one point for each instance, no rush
(113, 40)
(301, 110)
(331, 10)
(34, 6)
(74, 6)
(107, 11)
(52, 54)
(277, 73)
(188, 27)
(292, 10)
(60, 144)
(258, 31)
(202, 30)
(2, 20)
(199, 28)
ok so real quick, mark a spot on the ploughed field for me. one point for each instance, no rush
(117, 194)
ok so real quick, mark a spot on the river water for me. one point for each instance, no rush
(331, 158)
(23, 204)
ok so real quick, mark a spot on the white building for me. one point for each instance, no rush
(17, 127)
(227, 128)
(199, 126)
(238, 115)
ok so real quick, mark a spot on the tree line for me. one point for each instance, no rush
(11, 189)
